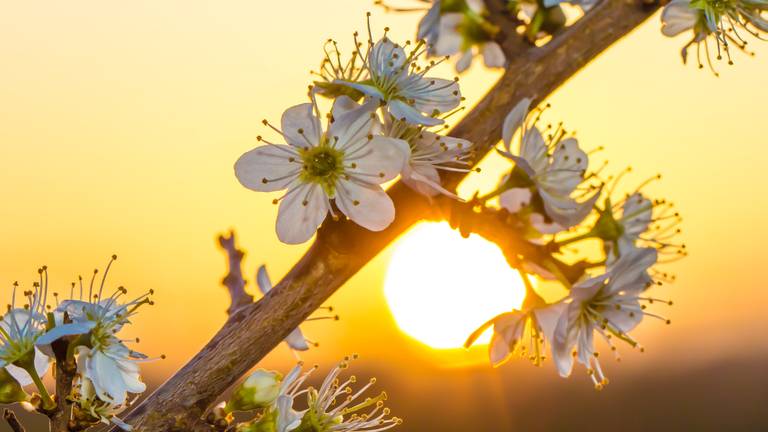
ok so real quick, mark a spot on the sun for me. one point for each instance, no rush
(440, 287)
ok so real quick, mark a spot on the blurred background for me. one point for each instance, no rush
(120, 123)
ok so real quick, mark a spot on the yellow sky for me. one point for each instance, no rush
(120, 122)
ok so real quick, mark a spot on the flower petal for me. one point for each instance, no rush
(366, 205)
(351, 128)
(268, 168)
(262, 280)
(515, 199)
(402, 111)
(301, 127)
(514, 121)
(300, 213)
(493, 56)
(70, 329)
(449, 40)
(465, 61)
(678, 17)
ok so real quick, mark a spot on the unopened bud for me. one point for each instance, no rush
(259, 390)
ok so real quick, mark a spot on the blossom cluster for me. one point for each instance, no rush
(381, 125)
(555, 201)
(721, 23)
(467, 27)
(80, 334)
(384, 105)
(333, 406)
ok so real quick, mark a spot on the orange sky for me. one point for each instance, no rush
(120, 122)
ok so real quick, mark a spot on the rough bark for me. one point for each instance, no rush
(342, 248)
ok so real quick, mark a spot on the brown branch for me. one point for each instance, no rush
(64, 373)
(13, 422)
(342, 248)
(234, 280)
(506, 230)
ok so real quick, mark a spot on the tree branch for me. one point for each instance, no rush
(13, 422)
(234, 280)
(342, 248)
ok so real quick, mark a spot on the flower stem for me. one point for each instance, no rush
(48, 402)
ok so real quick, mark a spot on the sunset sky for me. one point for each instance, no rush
(120, 123)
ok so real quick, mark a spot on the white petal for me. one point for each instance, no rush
(566, 211)
(350, 128)
(493, 56)
(432, 95)
(465, 61)
(343, 104)
(636, 215)
(627, 317)
(296, 340)
(268, 168)
(262, 280)
(514, 121)
(548, 317)
(678, 17)
(449, 40)
(498, 350)
(402, 111)
(534, 150)
(301, 118)
(630, 271)
(424, 179)
(296, 221)
(429, 26)
(366, 205)
(19, 374)
(386, 59)
(566, 170)
(564, 340)
(381, 160)
(515, 199)
(106, 376)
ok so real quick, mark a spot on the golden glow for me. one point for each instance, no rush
(440, 287)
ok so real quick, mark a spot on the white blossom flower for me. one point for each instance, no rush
(549, 170)
(428, 152)
(336, 407)
(346, 163)
(520, 332)
(608, 305)
(106, 361)
(396, 80)
(726, 21)
(469, 33)
(89, 409)
(20, 328)
(636, 221)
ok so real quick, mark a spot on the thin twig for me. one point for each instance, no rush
(234, 280)
(10, 418)
(342, 248)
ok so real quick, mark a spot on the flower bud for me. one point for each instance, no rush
(10, 389)
(259, 390)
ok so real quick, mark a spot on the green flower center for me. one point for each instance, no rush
(323, 165)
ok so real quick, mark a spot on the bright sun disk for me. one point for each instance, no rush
(440, 287)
